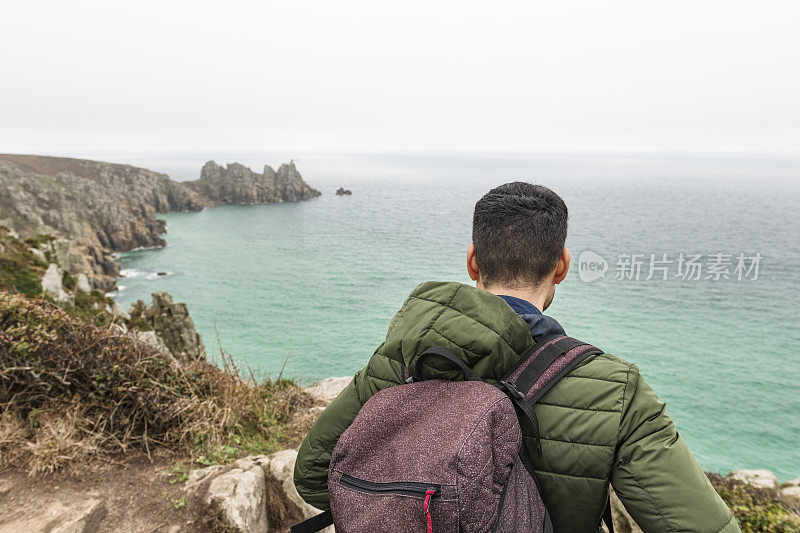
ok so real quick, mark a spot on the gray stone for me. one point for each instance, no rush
(82, 283)
(39, 254)
(82, 517)
(791, 492)
(116, 310)
(172, 325)
(763, 479)
(791, 489)
(237, 492)
(237, 184)
(51, 283)
(328, 389)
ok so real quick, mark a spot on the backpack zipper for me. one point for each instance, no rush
(426, 491)
(404, 488)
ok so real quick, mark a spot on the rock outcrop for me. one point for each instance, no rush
(328, 389)
(252, 495)
(763, 479)
(52, 283)
(91, 209)
(84, 517)
(792, 489)
(341, 191)
(237, 184)
(96, 207)
(171, 324)
(257, 493)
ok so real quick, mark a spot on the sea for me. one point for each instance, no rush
(687, 265)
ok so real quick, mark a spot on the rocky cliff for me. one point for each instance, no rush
(237, 184)
(91, 209)
(98, 208)
(171, 323)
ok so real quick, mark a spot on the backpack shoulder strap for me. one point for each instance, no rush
(537, 372)
(314, 524)
(550, 360)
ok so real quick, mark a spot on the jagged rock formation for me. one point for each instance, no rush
(237, 184)
(341, 191)
(92, 209)
(172, 324)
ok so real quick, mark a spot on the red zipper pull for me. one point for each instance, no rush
(426, 508)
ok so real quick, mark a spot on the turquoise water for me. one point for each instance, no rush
(318, 281)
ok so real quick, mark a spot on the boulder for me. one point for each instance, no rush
(763, 479)
(341, 191)
(82, 283)
(791, 492)
(791, 489)
(236, 494)
(51, 283)
(81, 517)
(280, 466)
(242, 493)
(328, 389)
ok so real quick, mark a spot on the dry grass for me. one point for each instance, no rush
(72, 391)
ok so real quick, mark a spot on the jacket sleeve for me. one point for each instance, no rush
(655, 475)
(314, 455)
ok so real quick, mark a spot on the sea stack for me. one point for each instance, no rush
(237, 184)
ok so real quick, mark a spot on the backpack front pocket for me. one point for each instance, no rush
(362, 506)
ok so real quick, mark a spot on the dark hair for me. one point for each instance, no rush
(519, 230)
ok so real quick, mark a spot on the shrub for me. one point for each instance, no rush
(68, 281)
(71, 391)
(757, 509)
(39, 240)
(20, 270)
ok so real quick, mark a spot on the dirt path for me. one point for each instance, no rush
(136, 496)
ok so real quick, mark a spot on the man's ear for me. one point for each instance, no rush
(563, 266)
(472, 264)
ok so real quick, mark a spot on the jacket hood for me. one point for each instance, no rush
(474, 324)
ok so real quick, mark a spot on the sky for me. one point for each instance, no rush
(370, 76)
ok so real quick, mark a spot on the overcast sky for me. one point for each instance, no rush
(373, 76)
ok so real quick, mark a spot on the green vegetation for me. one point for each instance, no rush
(757, 509)
(72, 391)
(68, 281)
(39, 240)
(20, 270)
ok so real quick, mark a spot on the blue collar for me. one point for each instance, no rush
(520, 306)
(541, 326)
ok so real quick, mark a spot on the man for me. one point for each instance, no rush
(601, 423)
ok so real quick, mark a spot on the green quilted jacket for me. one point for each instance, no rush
(601, 423)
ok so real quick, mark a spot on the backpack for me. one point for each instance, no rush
(447, 456)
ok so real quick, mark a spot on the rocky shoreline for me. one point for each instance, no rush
(79, 213)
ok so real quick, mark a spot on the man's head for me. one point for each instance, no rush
(518, 235)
